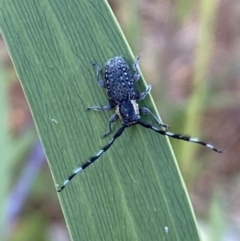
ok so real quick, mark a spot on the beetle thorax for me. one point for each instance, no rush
(128, 112)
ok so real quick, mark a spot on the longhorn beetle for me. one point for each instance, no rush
(123, 95)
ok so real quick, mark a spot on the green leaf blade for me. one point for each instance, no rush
(134, 191)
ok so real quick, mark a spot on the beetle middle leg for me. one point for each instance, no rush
(146, 111)
(145, 93)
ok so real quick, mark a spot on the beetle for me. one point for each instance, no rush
(123, 95)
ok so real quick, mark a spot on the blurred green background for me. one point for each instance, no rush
(190, 54)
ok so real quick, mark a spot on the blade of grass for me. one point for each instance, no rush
(135, 191)
(196, 101)
(5, 164)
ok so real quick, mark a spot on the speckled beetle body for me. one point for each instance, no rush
(120, 82)
(121, 89)
(122, 92)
